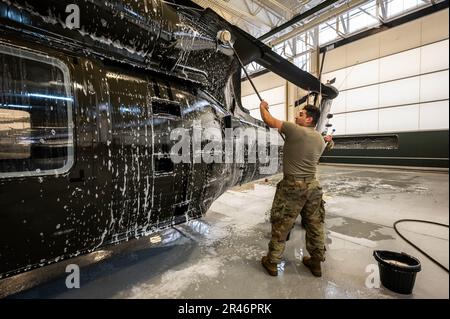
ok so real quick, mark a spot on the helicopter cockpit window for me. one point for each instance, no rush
(35, 115)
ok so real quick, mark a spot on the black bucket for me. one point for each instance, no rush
(397, 270)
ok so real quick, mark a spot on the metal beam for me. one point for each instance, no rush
(252, 11)
(243, 15)
(369, 14)
(344, 23)
(381, 7)
(321, 19)
(283, 8)
(414, 15)
(338, 32)
(298, 18)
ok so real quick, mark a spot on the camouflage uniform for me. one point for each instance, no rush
(294, 197)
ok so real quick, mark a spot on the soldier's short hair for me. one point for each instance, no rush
(314, 112)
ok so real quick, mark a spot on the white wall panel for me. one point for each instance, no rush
(400, 65)
(362, 122)
(339, 124)
(399, 119)
(434, 116)
(363, 98)
(434, 57)
(363, 74)
(400, 92)
(341, 78)
(273, 96)
(278, 111)
(339, 104)
(249, 101)
(434, 86)
(400, 86)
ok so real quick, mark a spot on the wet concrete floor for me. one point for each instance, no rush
(219, 255)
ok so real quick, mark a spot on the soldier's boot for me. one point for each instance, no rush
(313, 264)
(271, 268)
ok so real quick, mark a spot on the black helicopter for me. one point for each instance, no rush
(90, 92)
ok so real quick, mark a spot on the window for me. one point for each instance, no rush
(364, 17)
(35, 115)
(397, 7)
(303, 61)
(328, 31)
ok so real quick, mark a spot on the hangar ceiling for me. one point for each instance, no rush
(258, 17)
(296, 28)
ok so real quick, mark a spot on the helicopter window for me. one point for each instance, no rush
(165, 107)
(163, 165)
(35, 115)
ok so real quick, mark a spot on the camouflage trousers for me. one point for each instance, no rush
(294, 197)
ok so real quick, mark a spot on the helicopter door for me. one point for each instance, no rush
(172, 180)
(130, 151)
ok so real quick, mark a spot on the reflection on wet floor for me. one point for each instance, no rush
(357, 228)
(219, 255)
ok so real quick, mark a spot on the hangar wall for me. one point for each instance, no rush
(393, 105)
(393, 86)
(272, 89)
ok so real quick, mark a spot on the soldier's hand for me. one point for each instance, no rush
(264, 105)
(328, 138)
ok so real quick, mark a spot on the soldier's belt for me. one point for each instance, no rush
(299, 179)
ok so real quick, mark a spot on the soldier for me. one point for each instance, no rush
(299, 192)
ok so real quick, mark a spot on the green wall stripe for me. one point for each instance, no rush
(426, 149)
